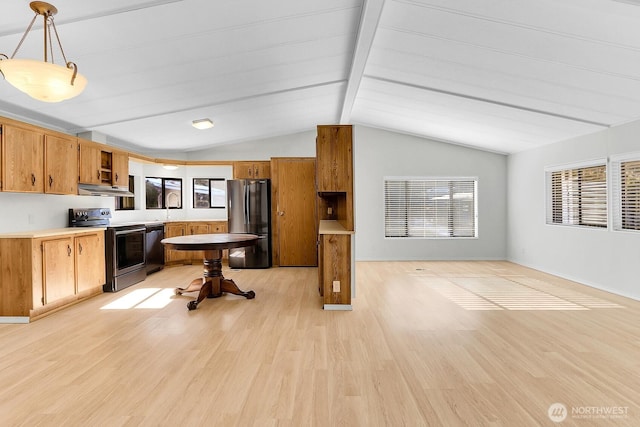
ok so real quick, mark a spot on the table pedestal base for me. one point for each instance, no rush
(213, 284)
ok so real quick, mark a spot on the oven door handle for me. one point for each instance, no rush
(134, 230)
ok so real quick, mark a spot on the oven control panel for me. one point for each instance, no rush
(89, 217)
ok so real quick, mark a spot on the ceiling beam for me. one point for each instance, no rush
(369, 19)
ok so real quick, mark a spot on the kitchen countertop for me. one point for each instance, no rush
(52, 232)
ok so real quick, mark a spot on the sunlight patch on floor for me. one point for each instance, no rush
(142, 298)
(515, 293)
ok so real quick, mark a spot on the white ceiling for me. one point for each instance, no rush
(500, 75)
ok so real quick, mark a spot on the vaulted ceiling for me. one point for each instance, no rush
(499, 75)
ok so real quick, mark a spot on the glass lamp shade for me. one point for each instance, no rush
(41, 80)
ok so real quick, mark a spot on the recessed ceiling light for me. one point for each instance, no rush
(202, 124)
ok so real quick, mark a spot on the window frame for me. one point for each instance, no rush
(576, 167)
(163, 190)
(615, 162)
(210, 181)
(450, 180)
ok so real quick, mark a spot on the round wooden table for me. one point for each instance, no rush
(212, 284)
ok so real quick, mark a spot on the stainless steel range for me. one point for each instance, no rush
(124, 247)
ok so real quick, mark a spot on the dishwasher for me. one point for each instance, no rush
(154, 249)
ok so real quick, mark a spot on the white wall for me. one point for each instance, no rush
(28, 212)
(601, 258)
(295, 145)
(378, 153)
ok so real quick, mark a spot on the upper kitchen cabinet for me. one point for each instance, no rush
(22, 159)
(251, 170)
(61, 163)
(90, 162)
(334, 159)
(120, 168)
(334, 174)
(102, 165)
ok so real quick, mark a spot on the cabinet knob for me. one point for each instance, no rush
(33, 180)
(50, 180)
(80, 248)
(68, 250)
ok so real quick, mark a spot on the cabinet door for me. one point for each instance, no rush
(218, 227)
(336, 267)
(89, 170)
(197, 228)
(58, 269)
(120, 165)
(23, 160)
(243, 170)
(174, 230)
(335, 162)
(90, 260)
(262, 169)
(61, 163)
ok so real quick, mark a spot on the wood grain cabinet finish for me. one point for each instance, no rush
(90, 262)
(61, 163)
(334, 184)
(334, 158)
(188, 228)
(57, 269)
(100, 164)
(89, 171)
(41, 275)
(174, 229)
(335, 267)
(22, 159)
(251, 170)
(120, 168)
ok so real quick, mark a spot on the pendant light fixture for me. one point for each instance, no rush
(43, 80)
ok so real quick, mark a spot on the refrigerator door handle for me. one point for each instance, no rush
(246, 205)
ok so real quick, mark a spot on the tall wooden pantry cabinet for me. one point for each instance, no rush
(334, 183)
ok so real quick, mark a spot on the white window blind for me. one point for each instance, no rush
(430, 208)
(626, 194)
(578, 196)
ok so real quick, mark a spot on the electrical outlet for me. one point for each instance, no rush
(336, 286)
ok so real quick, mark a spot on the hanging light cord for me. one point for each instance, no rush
(24, 36)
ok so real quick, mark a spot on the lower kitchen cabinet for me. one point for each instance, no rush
(58, 265)
(42, 274)
(334, 265)
(90, 262)
(189, 228)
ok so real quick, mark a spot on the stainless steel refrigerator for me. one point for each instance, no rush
(249, 211)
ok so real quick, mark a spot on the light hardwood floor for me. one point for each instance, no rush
(428, 343)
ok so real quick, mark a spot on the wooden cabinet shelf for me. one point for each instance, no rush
(100, 164)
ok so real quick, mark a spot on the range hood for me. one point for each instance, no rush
(103, 190)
